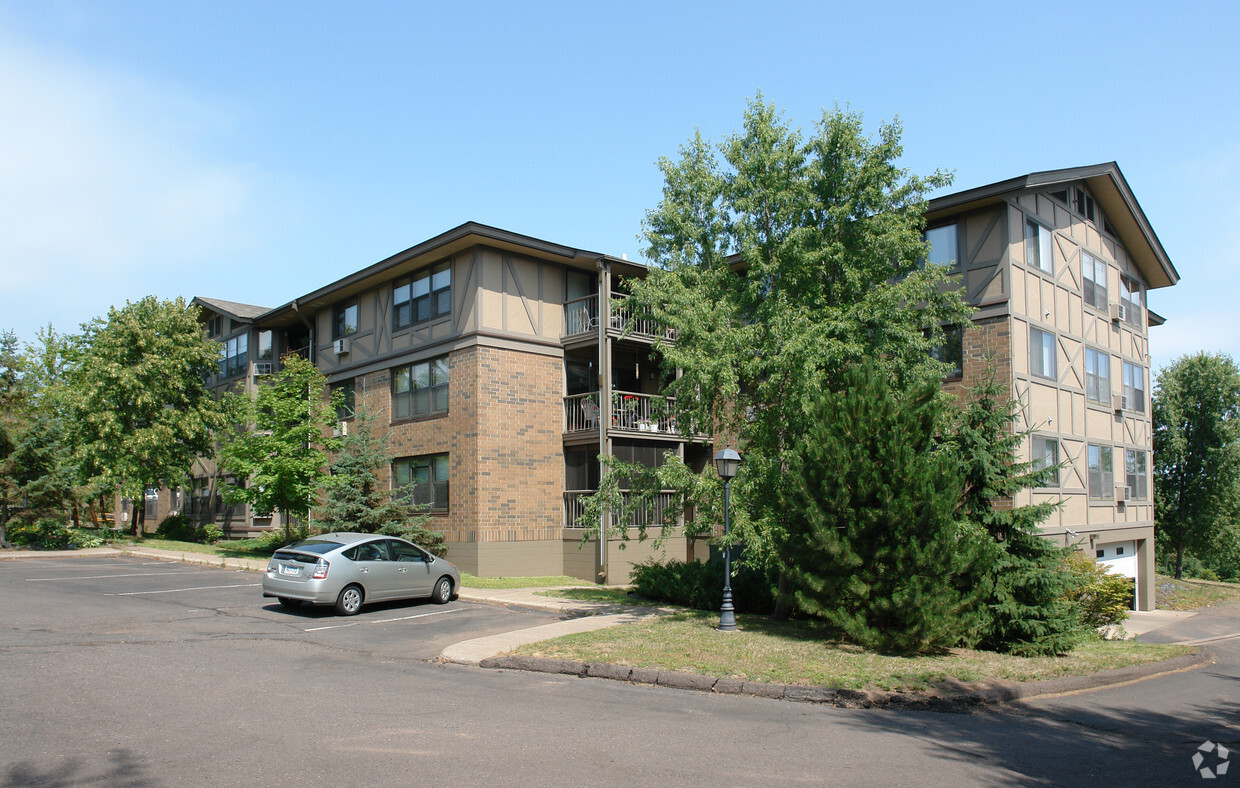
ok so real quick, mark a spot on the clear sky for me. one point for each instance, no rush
(255, 151)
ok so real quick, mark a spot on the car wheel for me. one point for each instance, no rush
(443, 591)
(349, 603)
(291, 604)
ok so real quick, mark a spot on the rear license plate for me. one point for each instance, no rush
(290, 570)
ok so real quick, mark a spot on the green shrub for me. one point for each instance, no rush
(699, 585)
(1103, 598)
(80, 539)
(211, 533)
(178, 528)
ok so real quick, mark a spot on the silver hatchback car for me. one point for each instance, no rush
(349, 570)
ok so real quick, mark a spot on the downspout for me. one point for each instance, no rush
(604, 399)
(309, 403)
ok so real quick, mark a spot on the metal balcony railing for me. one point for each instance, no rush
(665, 507)
(630, 412)
(581, 317)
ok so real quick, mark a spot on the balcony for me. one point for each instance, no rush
(630, 413)
(581, 318)
(667, 504)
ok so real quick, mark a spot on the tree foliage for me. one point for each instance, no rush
(358, 500)
(1196, 412)
(1025, 608)
(138, 397)
(872, 543)
(779, 261)
(279, 447)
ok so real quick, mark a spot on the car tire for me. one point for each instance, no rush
(443, 591)
(349, 603)
(289, 604)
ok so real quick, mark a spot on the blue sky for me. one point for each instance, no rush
(255, 151)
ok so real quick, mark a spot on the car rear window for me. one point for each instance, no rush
(316, 547)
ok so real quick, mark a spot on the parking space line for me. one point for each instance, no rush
(101, 577)
(174, 590)
(386, 620)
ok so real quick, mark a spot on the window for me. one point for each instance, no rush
(349, 406)
(1134, 386)
(951, 351)
(264, 345)
(425, 295)
(215, 327)
(1083, 204)
(1135, 475)
(1130, 299)
(1042, 354)
(1038, 247)
(1097, 377)
(1119, 551)
(1046, 456)
(1101, 474)
(942, 242)
(1094, 280)
(1100, 553)
(235, 356)
(420, 389)
(344, 320)
(422, 480)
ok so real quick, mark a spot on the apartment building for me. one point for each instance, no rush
(501, 368)
(1059, 264)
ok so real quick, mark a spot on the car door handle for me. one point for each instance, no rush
(364, 570)
(402, 569)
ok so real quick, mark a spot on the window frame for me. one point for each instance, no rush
(1101, 473)
(1039, 370)
(1042, 243)
(439, 498)
(1135, 393)
(951, 350)
(349, 409)
(1140, 491)
(1094, 295)
(235, 359)
(1103, 393)
(954, 262)
(438, 297)
(438, 379)
(1133, 307)
(1041, 461)
(341, 327)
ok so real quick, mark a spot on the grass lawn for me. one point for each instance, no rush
(1172, 594)
(615, 596)
(796, 653)
(473, 581)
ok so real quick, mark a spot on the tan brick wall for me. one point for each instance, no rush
(503, 435)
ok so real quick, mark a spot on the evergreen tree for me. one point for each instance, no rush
(1025, 610)
(357, 500)
(872, 542)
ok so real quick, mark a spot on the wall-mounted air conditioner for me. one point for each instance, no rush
(1121, 494)
(341, 346)
(1118, 312)
(262, 368)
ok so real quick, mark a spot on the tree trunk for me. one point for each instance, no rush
(782, 609)
(4, 522)
(77, 522)
(94, 513)
(1179, 560)
(139, 517)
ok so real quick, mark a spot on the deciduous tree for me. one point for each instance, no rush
(1196, 415)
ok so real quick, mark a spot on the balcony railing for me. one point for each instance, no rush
(629, 412)
(665, 507)
(581, 317)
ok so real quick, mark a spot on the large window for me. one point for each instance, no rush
(943, 245)
(1094, 280)
(1097, 377)
(1038, 247)
(1042, 354)
(1135, 475)
(1101, 473)
(422, 480)
(1134, 386)
(1046, 456)
(1130, 299)
(264, 346)
(420, 389)
(235, 355)
(344, 320)
(951, 352)
(423, 296)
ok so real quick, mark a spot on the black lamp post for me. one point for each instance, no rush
(727, 463)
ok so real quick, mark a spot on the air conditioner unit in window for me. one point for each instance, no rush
(1121, 494)
(341, 430)
(1119, 402)
(341, 346)
(262, 368)
(1118, 313)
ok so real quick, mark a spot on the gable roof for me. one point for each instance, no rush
(1112, 193)
(231, 308)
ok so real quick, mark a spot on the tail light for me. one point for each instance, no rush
(320, 570)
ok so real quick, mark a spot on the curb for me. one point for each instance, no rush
(949, 697)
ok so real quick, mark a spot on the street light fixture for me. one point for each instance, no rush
(727, 463)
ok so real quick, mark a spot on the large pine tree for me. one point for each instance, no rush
(1025, 610)
(873, 544)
